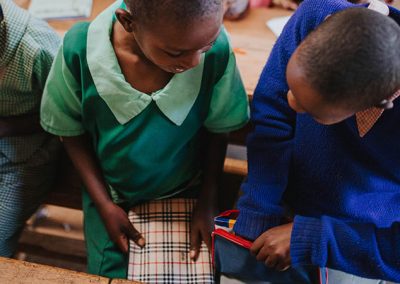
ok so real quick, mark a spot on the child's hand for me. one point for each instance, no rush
(273, 247)
(120, 228)
(201, 227)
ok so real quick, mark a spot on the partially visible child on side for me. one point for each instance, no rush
(328, 149)
(27, 153)
(143, 98)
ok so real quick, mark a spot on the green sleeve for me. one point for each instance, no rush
(60, 112)
(47, 43)
(41, 67)
(229, 108)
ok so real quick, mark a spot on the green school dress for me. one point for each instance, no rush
(148, 146)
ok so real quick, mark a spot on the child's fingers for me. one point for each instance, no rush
(206, 236)
(122, 243)
(262, 255)
(257, 245)
(135, 235)
(282, 266)
(195, 242)
(271, 261)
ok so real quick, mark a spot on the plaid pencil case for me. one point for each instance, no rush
(232, 258)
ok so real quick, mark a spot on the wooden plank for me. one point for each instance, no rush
(21, 272)
(52, 244)
(234, 166)
(50, 257)
(252, 42)
(122, 281)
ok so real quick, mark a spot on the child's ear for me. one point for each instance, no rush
(125, 18)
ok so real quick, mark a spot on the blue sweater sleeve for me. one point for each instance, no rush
(270, 145)
(328, 242)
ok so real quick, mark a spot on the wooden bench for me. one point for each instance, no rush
(21, 272)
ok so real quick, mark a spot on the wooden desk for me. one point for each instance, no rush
(251, 39)
(21, 272)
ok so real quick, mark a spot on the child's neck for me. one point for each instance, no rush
(138, 71)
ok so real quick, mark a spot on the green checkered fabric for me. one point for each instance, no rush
(27, 163)
(28, 47)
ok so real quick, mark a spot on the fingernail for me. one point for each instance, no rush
(192, 254)
(141, 242)
(285, 268)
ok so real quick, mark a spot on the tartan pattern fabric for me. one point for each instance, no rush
(366, 119)
(165, 224)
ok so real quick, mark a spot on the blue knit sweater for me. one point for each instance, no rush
(344, 190)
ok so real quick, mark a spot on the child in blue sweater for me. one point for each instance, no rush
(327, 149)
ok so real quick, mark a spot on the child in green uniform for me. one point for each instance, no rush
(28, 154)
(143, 98)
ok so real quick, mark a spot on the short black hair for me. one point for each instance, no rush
(353, 58)
(182, 11)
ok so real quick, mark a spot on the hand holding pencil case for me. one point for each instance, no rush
(232, 258)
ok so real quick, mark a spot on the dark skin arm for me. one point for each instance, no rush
(206, 208)
(114, 217)
(19, 125)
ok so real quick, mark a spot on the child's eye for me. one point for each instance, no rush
(174, 54)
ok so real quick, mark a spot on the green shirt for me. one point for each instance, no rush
(27, 49)
(147, 145)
